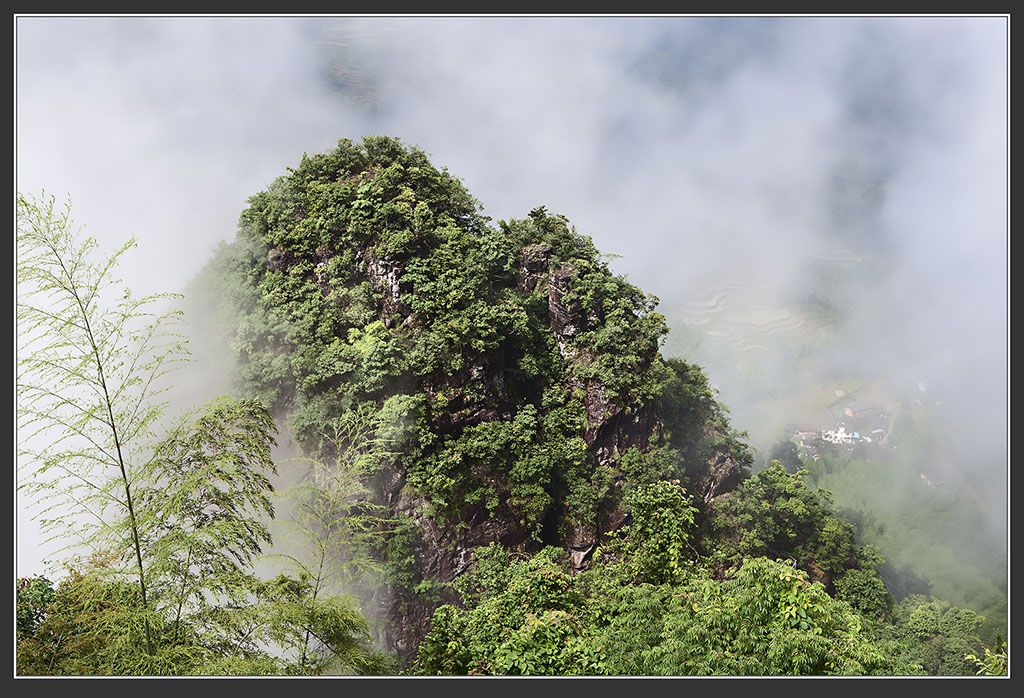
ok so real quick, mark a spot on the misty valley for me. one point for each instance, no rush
(380, 433)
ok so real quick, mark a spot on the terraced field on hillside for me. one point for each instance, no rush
(760, 345)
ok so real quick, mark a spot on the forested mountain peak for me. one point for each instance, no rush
(522, 378)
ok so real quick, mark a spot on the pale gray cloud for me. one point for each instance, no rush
(723, 158)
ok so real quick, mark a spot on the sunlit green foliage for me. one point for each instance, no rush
(88, 626)
(203, 509)
(88, 371)
(992, 663)
(658, 543)
(530, 617)
(697, 423)
(775, 514)
(177, 520)
(33, 595)
(204, 502)
(938, 635)
(93, 624)
(863, 587)
(766, 618)
(865, 591)
(375, 274)
(529, 624)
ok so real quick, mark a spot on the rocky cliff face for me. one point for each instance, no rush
(721, 475)
(445, 551)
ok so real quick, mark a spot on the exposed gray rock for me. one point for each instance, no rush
(723, 474)
(384, 275)
(277, 258)
(533, 264)
(566, 316)
(442, 553)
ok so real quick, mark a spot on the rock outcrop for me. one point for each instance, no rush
(722, 474)
(444, 551)
(384, 276)
(519, 333)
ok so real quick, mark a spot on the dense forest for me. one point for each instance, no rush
(496, 470)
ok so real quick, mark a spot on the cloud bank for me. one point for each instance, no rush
(739, 166)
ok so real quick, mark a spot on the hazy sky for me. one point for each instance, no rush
(722, 158)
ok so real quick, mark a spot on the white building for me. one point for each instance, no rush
(837, 436)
